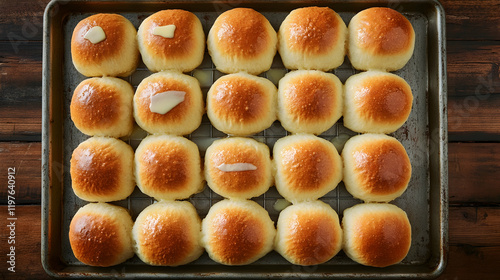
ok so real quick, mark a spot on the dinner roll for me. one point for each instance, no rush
(102, 170)
(169, 102)
(380, 38)
(309, 101)
(307, 167)
(376, 167)
(105, 45)
(103, 107)
(171, 40)
(242, 39)
(376, 102)
(237, 232)
(308, 233)
(238, 168)
(241, 104)
(312, 38)
(168, 167)
(100, 234)
(168, 233)
(376, 234)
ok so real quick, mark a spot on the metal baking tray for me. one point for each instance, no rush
(424, 136)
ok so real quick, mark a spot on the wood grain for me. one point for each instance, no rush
(472, 19)
(26, 159)
(22, 21)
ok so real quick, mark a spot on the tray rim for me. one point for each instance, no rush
(47, 167)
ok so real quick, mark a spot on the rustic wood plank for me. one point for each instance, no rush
(27, 243)
(26, 159)
(483, 220)
(473, 68)
(22, 21)
(473, 173)
(472, 19)
(21, 92)
(472, 118)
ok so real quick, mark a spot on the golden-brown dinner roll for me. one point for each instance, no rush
(308, 233)
(100, 234)
(168, 233)
(242, 39)
(312, 38)
(238, 168)
(168, 167)
(237, 232)
(307, 167)
(241, 104)
(103, 107)
(309, 101)
(171, 40)
(376, 167)
(376, 102)
(380, 38)
(376, 234)
(169, 102)
(102, 170)
(105, 45)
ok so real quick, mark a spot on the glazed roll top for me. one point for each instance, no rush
(312, 38)
(168, 167)
(307, 167)
(237, 232)
(380, 38)
(105, 45)
(242, 39)
(238, 168)
(171, 40)
(101, 170)
(100, 234)
(308, 233)
(167, 233)
(376, 234)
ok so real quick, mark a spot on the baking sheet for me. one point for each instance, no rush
(423, 136)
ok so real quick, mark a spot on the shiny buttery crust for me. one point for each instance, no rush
(102, 170)
(308, 233)
(184, 52)
(241, 104)
(376, 102)
(309, 101)
(376, 167)
(238, 184)
(312, 38)
(376, 234)
(183, 118)
(117, 55)
(307, 167)
(242, 39)
(103, 107)
(167, 233)
(380, 38)
(168, 167)
(237, 232)
(100, 234)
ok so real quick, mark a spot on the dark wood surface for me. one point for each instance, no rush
(473, 46)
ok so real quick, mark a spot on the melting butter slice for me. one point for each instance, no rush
(163, 102)
(95, 35)
(233, 167)
(166, 31)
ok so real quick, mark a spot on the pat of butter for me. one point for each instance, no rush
(236, 167)
(163, 102)
(166, 31)
(95, 35)
(281, 204)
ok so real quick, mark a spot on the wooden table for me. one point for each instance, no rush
(473, 34)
